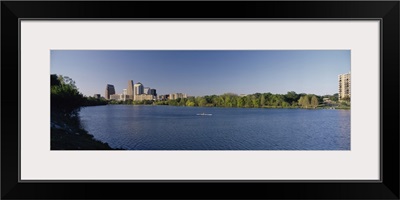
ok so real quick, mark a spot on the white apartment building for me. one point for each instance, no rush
(344, 85)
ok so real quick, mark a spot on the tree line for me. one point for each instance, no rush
(257, 100)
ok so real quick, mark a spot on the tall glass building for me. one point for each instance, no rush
(130, 91)
(110, 90)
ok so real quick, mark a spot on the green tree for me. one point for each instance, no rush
(291, 96)
(268, 99)
(300, 102)
(208, 99)
(248, 103)
(304, 101)
(228, 101)
(201, 101)
(255, 101)
(220, 101)
(240, 102)
(234, 100)
(65, 96)
(190, 103)
(334, 97)
(276, 100)
(262, 100)
(314, 101)
(172, 102)
(285, 104)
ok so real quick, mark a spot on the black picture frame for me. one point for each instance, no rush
(386, 11)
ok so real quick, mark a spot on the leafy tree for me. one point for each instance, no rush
(314, 101)
(334, 97)
(262, 100)
(201, 101)
(228, 101)
(255, 101)
(240, 102)
(300, 102)
(65, 96)
(234, 100)
(248, 103)
(54, 80)
(190, 103)
(220, 101)
(208, 99)
(172, 102)
(285, 104)
(257, 95)
(291, 96)
(304, 101)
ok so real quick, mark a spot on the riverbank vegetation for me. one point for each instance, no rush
(66, 130)
(257, 100)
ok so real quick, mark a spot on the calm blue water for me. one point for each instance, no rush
(179, 128)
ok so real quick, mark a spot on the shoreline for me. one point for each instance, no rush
(265, 107)
(66, 133)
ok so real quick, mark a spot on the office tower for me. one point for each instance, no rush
(146, 90)
(130, 90)
(110, 90)
(344, 86)
(138, 89)
(153, 92)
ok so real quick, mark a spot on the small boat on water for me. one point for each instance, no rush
(204, 114)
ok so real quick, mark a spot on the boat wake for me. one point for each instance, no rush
(204, 114)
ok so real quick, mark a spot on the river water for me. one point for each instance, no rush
(180, 128)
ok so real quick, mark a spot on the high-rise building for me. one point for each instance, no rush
(146, 90)
(124, 94)
(153, 92)
(97, 96)
(344, 86)
(110, 90)
(130, 89)
(138, 89)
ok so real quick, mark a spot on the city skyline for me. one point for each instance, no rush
(204, 72)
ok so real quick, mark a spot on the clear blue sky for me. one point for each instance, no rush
(204, 72)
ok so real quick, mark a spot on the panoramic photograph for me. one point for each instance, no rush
(200, 100)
